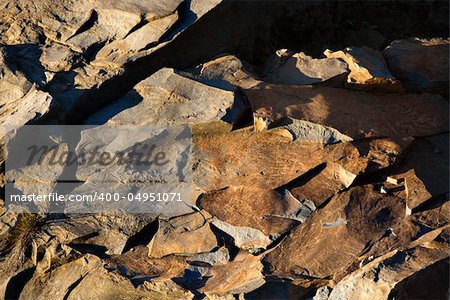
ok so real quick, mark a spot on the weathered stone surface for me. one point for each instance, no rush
(169, 98)
(243, 274)
(308, 131)
(87, 277)
(21, 100)
(334, 236)
(421, 64)
(368, 70)
(189, 234)
(228, 72)
(255, 159)
(218, 257)
(379, 278)
(425, 170)
(355, 114)
(287, 67)
(137, 262)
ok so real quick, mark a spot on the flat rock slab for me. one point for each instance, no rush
(300, 69)
(355, 114)
(243, 274)
(169, 98)
(334, 236)
(422, 65)
(368, 69)
(186, 235)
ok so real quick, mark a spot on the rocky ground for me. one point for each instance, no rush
(321, 147)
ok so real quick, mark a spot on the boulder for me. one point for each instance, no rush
(421, 64)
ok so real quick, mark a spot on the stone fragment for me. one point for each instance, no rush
(304, 130)
(368, 70)
(218, 257)
(184, 235)
(241, 275)
(287, 67)
(421, 64)
(137, 263)
(355, 114)
(319, 250)
(169, 98)
(58, 58)
(228, 72)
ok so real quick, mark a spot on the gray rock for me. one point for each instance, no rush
(298, 68)
(167, 98)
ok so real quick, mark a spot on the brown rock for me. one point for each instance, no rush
(137, 261)
(228, 71)
(334, 236)
(368, 70)
(422, 65)
(425, 170)
(243, 274)
(189, 234)
(355, 114)
(253, 207)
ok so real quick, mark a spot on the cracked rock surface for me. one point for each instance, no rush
(319, 163)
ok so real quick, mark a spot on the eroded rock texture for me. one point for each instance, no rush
(319, 171)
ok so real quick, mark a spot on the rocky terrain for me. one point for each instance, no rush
(320, 147)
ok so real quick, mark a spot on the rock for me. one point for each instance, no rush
(334, 236)
(424, 170)
(189, 234)
(247, 238)
(241, 275)
(228, 72)
(304, 130)
(250, 159)
(21, 100)
(368, 70)
(137, 263)
(87, 277)
(168, 98)
(331, 179)
(58, 58)
(379, 278)
(287, 67)
(267, 212)
(421, 64)
(355, 114)
(104, 233)
(219, 257)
